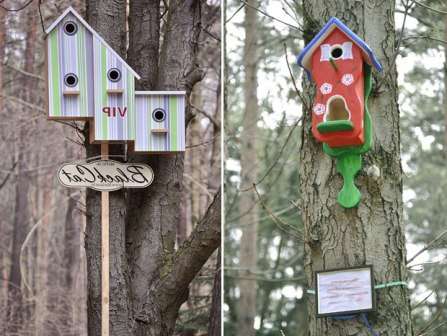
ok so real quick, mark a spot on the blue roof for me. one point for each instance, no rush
(304, 56)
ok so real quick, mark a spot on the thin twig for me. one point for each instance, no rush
(425, 37)
(278, 221)
(429, 245)
(2, 184)
(16, 9)
(434, 319)
(298, 92)
(269, 170)
(270, 16)
(41, 18)
(422, 301)
(407, 7)
(234, 14)
(430, 8)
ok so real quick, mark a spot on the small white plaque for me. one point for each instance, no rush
(344, 291)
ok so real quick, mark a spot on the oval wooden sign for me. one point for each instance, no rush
(105, 175)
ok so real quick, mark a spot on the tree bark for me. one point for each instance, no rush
(21, 217)
(108, 18)
(372, 233)
(214, 327)
(149, 278)
(247, 201)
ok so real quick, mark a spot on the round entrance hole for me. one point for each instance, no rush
(159, 115)
(71, 80)
(336, 52)
(114, 75)
(70, 28)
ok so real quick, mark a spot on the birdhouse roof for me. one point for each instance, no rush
(304, 57)
(87, 26)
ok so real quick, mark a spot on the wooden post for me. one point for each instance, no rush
(105, 252)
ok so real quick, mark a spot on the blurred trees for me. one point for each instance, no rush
(277, 274)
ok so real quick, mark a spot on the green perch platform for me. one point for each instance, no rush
(349, 159)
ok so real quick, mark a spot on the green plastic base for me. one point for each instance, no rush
(335, 126)
(349, 160)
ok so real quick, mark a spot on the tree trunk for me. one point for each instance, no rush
(214, 327)
(373, 233)
(247, 201)
(108, 18)
(149, 278)
(21, 217)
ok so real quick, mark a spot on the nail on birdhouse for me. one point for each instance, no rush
(88, 80)
(340, 64)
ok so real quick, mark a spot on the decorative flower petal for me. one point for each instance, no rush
(347, 79)
(319, 109)
(326, 88)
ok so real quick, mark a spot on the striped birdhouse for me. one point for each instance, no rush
(162, 113)
(87, 79)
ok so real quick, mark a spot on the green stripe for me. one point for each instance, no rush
(173, 122)
(55, 74)
(105, 122)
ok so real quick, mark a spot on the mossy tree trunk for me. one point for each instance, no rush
(373, 233)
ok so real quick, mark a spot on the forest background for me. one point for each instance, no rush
(270, 261)
(44, 226)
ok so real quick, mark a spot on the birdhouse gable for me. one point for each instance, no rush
(331, 51)
(71, 11)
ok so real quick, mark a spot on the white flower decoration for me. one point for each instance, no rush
(326, 88)
(319, 109)
(347, 79)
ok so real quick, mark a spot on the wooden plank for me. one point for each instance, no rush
(71, 93)
(115, 91)
(159, 130)
(105, 287)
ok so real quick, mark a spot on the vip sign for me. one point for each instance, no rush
(105, 175)
(340, 64)
(88, 80)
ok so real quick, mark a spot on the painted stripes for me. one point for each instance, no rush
(117, 127)
(69, 54)
(86, 56)
(148, 141)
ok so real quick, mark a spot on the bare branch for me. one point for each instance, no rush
(286, 227)
(430, 8)
(429, 246)
(270, 16)
(298, 92)
(408, 4)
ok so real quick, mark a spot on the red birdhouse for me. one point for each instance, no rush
(335, 60)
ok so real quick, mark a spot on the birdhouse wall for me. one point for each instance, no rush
(70, 54)
(342, 80)
(167, 135)
(114, 100)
